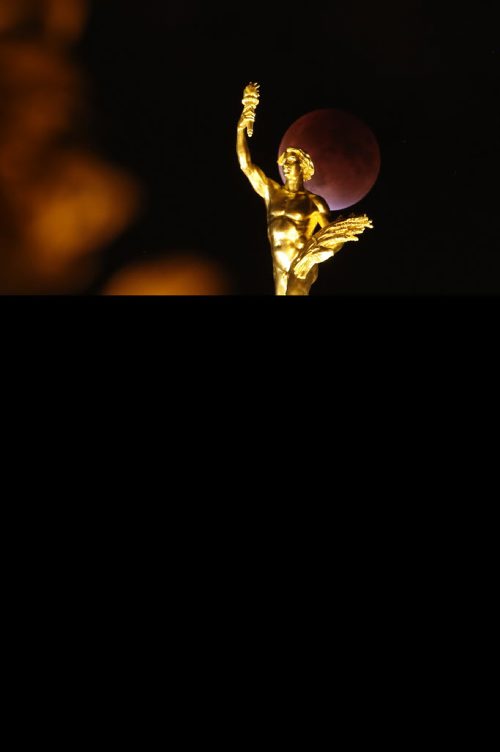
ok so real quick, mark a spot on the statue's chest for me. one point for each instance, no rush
(296, 206)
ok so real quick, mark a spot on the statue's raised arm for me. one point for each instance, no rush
(250, 102)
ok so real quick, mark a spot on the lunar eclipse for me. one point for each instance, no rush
(345, 153)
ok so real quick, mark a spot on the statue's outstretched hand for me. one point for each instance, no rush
(246, 121)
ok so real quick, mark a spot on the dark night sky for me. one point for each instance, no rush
(166, 88)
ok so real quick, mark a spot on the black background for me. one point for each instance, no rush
(166, 82)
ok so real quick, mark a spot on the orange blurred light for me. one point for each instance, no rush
(65, 19)
(185, 274)
(77, 207)
(59, 20)
(59, 204)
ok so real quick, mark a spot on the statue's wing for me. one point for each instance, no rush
(328, 241)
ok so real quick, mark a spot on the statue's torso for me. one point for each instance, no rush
(291, 218)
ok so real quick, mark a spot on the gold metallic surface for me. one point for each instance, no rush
(293, 213)
(250, 102)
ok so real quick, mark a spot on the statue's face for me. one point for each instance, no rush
(292, 166)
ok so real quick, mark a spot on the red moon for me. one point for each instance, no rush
(345, 153)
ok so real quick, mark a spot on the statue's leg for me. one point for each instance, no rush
(280, 281)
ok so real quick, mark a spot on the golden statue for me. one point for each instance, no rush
(293, 213)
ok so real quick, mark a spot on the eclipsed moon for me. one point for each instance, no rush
(345, 153)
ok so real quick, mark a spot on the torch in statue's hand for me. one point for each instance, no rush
(250, 102)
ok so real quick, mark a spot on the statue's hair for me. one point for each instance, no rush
(306, 163)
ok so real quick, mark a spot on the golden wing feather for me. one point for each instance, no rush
(328, 241)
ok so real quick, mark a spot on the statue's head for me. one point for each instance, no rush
(293, 156)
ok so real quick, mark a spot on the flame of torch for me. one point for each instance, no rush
(250, 101)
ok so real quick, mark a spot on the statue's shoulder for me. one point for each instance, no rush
(320, 202)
